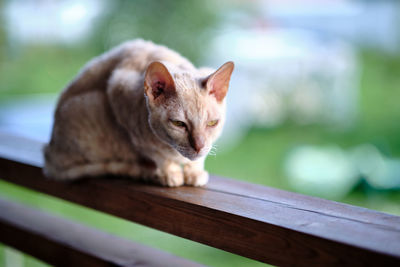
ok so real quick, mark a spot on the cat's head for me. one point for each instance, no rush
(186, 109)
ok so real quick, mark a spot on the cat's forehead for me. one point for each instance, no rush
(194, 103)
(187, 81)
(198, 105)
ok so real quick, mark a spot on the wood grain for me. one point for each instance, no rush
(258, 222)
(62, 242)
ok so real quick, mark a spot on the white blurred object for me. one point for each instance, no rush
(379, 171)
(371, 24)
(46, 21)
(323, 171)
(297, 60)
(283, 74)
(332, 172)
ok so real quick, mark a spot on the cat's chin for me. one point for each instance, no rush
(195, 157)
(192, 156)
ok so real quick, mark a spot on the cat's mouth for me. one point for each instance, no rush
(192, 155)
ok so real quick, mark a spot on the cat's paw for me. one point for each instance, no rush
(171, 176)
(195, 177)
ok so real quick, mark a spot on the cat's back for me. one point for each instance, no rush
(134, 55)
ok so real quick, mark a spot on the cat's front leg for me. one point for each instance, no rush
(169, 173)
(194, 173)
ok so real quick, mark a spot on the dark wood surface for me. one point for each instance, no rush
(62, 242)
(258, 222)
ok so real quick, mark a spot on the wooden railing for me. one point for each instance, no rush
(257, 222)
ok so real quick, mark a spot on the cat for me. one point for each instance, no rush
(139, 110)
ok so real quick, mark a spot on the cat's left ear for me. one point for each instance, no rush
(158, 82)
(217, 83)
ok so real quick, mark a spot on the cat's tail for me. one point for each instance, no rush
(61, 166)
(92, 169)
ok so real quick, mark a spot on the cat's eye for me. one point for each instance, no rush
(178, 123)
(212, 123)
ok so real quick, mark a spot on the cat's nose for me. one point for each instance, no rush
(196, 142)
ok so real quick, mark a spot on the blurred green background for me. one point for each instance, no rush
(354, 159)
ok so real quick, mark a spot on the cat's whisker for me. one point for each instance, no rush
(212, 150)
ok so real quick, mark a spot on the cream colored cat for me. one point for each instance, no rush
(140, 110)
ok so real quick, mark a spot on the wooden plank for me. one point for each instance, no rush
(62, 242)
(258, 222)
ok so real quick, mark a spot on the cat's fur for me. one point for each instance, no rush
(117, 117)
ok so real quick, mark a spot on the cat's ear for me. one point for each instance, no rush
(217, 83)
(158, 82)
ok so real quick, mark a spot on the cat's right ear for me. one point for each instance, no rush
(158, 82)
(217, 83)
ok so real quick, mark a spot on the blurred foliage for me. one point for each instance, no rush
(379, 102)
(47, 68)
(40, 69)
(2, 32)
(183, 25)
